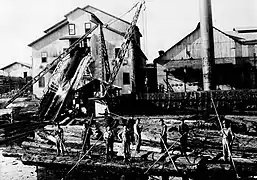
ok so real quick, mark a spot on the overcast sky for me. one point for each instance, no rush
(167, 21)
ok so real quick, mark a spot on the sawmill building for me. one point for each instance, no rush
(75, 24)
(179, 68)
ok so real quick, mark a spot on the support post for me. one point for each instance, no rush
(207, 44)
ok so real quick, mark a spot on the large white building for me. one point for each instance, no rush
(76, 23)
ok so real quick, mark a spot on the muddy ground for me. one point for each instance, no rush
(13, 169)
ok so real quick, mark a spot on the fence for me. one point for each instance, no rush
(231, 101)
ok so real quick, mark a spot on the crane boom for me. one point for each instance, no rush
(104, 56)
(125, 45)
(48, 67)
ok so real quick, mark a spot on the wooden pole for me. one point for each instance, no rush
(229, 152)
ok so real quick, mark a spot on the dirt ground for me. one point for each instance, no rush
(13, 169)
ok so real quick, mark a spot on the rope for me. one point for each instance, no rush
(169, 154)
(81, 158)
(160, 157)
(85, 137)
(230, 154)
(114, 20)
(84, 155)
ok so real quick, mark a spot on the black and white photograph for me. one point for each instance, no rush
(128, 90)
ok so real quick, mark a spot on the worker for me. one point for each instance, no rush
(163, 140)
(227, 140)
(59, 140)
(137, 135)
(83, 111)
(109, 140)
(126, 143)
(183, 131)
(86, 137)
(130, 129)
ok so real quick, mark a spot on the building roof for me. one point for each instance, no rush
(23, 64)
(49, 32)
(105, 19)
(112, 17)
(241, 36)
(245, 29)
(159, 59)
(60, 23)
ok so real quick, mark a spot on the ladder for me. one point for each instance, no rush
(124, 46)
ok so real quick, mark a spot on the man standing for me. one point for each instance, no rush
(183, 131)
(137, 135)
(109, 140)
(227, 140)
(163, 140)
(126, 143)
(59, 140)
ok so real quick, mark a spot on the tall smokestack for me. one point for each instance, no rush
(207, 43)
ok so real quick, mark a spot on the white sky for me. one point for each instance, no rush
(168, 21)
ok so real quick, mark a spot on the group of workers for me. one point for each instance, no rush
(131, 133)
(183, 134)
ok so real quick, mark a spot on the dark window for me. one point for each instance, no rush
(125, 62)
(87, 27)
(72, 29)
(117, 52)
(41, 82)
(25, 74)
(126, 78)
(44, 57)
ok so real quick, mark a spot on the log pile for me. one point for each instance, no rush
(203, 154)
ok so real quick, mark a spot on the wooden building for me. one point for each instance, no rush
(17, 69)
(235, 60)
(13, 77)
(76, 23)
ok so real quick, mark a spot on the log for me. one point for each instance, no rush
(45, 147)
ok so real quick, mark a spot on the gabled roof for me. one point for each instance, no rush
(160, 57)
(89, 9)
(57, 25)
(110, 15)
(23, 64)
(50, 30)
(86, 8)
(242, 38)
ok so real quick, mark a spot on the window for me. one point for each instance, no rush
(125, 62)
(41, 82)
(72, 29)
(117, 52)
(126, 79)
(25, 74)
(44, 57)
(87, 27)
